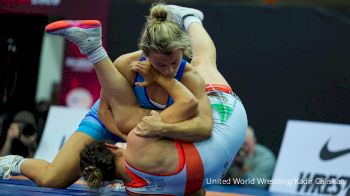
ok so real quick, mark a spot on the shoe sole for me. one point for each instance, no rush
(65, 24)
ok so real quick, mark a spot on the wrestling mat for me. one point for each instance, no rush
(19, 185)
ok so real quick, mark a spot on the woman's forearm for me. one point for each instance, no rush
(185, 103)
(192, 130)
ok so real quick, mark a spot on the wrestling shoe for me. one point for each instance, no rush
(9, 165)
(86, 34)
(179, 13)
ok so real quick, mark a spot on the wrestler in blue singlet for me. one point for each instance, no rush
(92, 126)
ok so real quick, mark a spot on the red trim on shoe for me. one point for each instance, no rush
(181, 162)
(218, 87)
(64, 24)
(194, 168)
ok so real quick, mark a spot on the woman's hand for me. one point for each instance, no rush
(146, 69)
(150, 126)
(13, 132)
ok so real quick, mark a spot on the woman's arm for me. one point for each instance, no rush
(195, 129)
(200, 127)
(12, 133)
(185, 103)
(184, 106)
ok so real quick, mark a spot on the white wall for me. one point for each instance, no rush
(50, 67)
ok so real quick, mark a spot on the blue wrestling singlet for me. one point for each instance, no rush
(141, 92)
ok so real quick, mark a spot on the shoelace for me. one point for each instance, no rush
(7, 173)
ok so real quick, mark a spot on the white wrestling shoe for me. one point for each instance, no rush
(86, 34)
(9, 165)
(179, 13)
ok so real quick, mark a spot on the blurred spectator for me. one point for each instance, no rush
(254, 161)
(42, 109)
(21, 137)
(2, 120)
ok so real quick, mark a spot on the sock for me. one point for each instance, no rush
(17, 166)
(189, 20)
(97, 55)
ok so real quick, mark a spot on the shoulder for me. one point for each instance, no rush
(122, 64)
(128, 58)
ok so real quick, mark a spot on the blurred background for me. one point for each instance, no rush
(285, 59)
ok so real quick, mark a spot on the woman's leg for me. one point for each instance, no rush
(86, 34)
(62, 172)
(203, 48)
(65, 168)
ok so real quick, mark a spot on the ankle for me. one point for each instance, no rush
(16, 170)
(97, 55)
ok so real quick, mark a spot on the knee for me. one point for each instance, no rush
(47, 181)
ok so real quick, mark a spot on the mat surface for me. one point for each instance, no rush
(22, 186)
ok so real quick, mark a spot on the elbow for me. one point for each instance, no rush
(192, 106)
(204, 133)
(207, 130)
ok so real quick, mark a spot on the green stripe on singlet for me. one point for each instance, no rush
(224, 110)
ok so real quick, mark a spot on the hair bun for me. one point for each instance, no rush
(159, 12)
(92, 176)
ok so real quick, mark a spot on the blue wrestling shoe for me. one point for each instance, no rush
(179, 13)
(9, 165)
(86, 34)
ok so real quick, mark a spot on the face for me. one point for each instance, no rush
(166, 64)
(249, 143)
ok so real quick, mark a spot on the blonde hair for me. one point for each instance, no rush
(162, 35)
